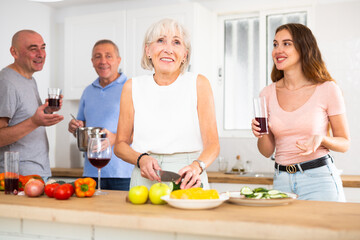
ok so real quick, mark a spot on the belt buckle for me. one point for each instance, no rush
(291, 169)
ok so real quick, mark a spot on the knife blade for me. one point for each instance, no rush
(168, 176)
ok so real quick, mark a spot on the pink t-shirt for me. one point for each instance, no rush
(310, 119)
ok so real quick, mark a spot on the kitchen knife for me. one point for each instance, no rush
(167, 176)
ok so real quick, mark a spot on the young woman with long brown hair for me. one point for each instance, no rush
(303, 103)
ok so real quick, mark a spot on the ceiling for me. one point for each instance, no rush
(71, 3)
(212, 4)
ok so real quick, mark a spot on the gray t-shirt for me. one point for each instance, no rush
(19, 99)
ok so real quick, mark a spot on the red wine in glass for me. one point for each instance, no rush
(99, 154)
(11, 186)
(99, 162)
(263, 124)
(54, 104)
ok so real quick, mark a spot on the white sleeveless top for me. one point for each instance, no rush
(166, 118)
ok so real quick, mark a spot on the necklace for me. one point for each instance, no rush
(295, 89)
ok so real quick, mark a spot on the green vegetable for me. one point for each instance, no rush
(173, 186)
(246, 191)
(260, 189)
(262, 193)
(61, 182)
(273, 192)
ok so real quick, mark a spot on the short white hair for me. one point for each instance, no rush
(160, 28)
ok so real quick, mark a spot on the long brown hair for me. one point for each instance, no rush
(305, 43)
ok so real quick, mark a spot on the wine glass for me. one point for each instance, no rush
(99, 155)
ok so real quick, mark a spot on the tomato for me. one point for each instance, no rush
(49, 189)
(71, 187)
(63, 192)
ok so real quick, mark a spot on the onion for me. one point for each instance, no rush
(34, 188)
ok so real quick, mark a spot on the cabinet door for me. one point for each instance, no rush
(81, 33)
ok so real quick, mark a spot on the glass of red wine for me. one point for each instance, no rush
(11, 172)
(261, 116)
(99, 155)
(54, 99)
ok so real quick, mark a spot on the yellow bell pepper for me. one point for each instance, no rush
(195, 193)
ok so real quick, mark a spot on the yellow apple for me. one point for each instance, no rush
(138, 194)
(158, 190)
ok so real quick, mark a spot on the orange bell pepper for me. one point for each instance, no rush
(85, 187)
(2, 181)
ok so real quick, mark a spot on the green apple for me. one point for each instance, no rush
(138, 194)
(158, 190)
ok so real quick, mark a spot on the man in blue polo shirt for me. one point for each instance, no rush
(100, 107)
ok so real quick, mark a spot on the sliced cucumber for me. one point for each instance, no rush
(273, 192)
(173, 186)
(260, 189)
(258, 195)
(246, 191)
(284, 195)
(262, 193)
(276, 196)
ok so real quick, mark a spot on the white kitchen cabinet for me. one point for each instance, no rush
(198, 20)
(81, 33)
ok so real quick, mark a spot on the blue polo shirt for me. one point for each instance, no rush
(100, 107)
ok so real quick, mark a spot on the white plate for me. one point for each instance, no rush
(237, 198)
(195, 204)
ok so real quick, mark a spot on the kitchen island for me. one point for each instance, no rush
(111, 216)
(216, 177)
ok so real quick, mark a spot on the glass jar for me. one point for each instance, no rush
(238, 166)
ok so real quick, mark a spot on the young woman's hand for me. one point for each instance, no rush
(309, 146)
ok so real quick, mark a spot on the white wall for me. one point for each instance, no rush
(338, 34)
(16, 15)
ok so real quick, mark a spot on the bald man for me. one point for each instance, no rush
(23, 117)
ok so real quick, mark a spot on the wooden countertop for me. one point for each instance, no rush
(298, 220)
(216, 177)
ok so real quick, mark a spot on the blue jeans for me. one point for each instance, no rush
(321, 184)
(114, 183)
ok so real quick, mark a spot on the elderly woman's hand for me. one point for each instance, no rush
(149, 167)
(190, 176)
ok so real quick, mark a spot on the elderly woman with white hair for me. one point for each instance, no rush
(167, 119)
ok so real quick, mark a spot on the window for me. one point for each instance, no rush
(272, 23)
(246, 64)
(241, 63)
